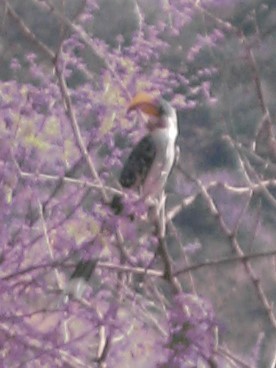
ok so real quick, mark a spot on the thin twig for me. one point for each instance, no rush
(140, 17)
(226, 353)
(141, 270)
(226, 260)
(66, 333)
(80, 143)
(28, 33)
(77, 133)
(254, 68)
(49, 245)
(252, 188)
(40, 347)
(273, 363)
(163, 250)
(246, 168)
(237, 249)
(181, 247)
(63, 220)
(88, 41)
(65, 179)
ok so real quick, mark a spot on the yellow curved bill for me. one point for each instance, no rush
(145, 102)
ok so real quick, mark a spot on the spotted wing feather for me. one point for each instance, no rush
(138, 163)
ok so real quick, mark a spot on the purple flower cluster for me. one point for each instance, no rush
(59, 167)
(192, 331)
(210, 40)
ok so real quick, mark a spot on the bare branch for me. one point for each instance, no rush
(253, 188)
(184, 255)
(68, 180)
(226, 260)
(28, 32)
(160, 233)
(237, 249)
(232, 359)
(88, 41)
(246, 168)
(77, 133)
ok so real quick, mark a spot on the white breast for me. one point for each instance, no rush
(164, 139)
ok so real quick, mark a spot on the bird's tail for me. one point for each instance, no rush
(117, 204)
(117, 207)
(79, 279)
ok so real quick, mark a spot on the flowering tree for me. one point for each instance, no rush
(185, 298)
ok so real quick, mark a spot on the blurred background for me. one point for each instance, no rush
(215, 61)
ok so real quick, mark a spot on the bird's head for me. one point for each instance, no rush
(161, 113)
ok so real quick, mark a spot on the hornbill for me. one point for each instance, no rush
(151, 160)
(148, 166)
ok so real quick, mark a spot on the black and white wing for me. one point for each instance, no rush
(79, 279)
(138, 163)
(136, 168)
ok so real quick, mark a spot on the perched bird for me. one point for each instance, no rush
(76, 285)
(146, 169)
(151, 160)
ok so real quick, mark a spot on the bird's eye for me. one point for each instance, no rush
(164, 108)
(161, 110)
